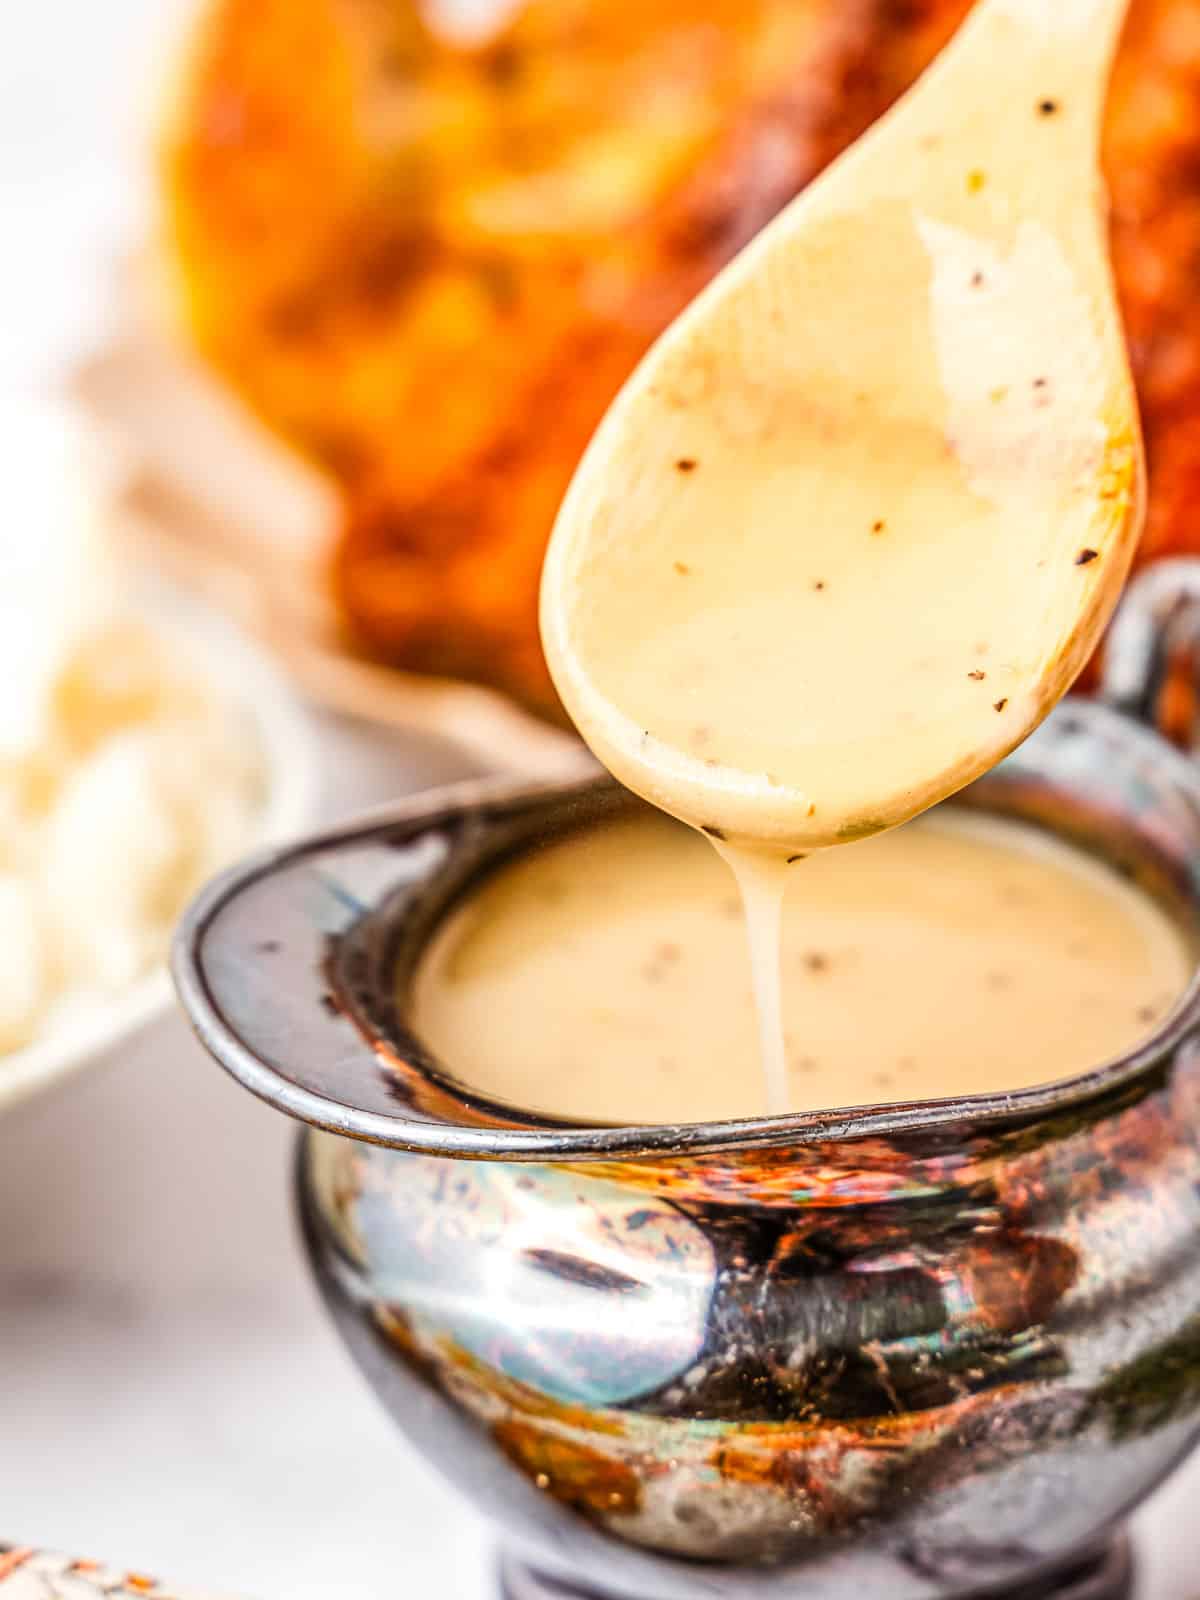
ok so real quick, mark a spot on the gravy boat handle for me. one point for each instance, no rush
(1152, 659)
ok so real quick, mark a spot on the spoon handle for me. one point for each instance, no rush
(1056, 55)
(1085, 32)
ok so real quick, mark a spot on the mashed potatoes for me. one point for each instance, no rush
(125, 777)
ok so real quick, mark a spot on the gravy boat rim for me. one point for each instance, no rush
(532, 1136)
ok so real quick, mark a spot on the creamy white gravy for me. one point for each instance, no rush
(607, 978)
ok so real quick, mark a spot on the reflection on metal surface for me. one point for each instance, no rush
(576, 1287)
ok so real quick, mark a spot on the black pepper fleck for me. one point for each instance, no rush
(819, 585)
(978, 280)
(1000, 705)
(686, 464)
(977, 675)
(1086, 556)
(791, 860)
(1048, 108)
(816, 962)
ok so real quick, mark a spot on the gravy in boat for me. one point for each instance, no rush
(606, 978)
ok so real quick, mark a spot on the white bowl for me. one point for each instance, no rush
(246, 678)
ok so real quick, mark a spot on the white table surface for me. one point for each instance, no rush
(171, 1395)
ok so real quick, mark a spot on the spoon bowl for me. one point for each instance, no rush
(859, 519)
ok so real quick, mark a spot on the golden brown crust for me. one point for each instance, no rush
(432, 265)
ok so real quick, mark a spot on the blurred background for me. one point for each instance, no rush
(307, 316)
(79, 87)
(170, 1396)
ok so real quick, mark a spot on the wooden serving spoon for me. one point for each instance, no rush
(860, 517)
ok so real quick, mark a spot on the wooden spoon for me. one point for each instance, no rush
(860, 517)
